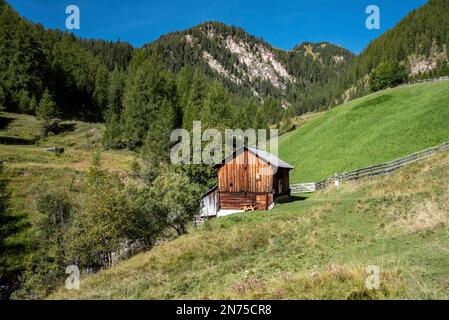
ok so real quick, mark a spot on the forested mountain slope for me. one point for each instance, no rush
(91, 80)
(85, 75)
(419, 42)
(249, 65)
(34, 60)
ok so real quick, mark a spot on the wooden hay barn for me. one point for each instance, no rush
(248, 179)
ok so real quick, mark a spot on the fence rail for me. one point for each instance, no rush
(374, 170)
(303, 188)
(378, 169)
(445, 78)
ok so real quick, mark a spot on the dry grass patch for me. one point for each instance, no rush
(334, 281)
(412, 199)
(425, 215)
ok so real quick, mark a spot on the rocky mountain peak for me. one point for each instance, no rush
(245, 62)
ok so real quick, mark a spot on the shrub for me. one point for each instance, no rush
(45, 267)
(387, 75)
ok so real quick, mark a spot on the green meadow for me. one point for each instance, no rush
(315, 247)
(376, 128)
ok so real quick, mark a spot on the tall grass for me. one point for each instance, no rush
(318, 248)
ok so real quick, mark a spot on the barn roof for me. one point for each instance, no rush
(270, 158)
(262, 154)
(209, 191)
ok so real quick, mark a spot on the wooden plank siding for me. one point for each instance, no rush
(239, 185)
(210, 204)
(240, 174)
(237, 200)
(247, 179)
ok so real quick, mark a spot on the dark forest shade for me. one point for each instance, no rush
(75, 71)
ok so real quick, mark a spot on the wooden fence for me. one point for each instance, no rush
(303, 188)
(426, 80)
(375, 170)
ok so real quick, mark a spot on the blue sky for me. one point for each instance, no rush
(282, 23)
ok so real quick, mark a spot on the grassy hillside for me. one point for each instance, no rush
(309, 248)
(312, 247)
(30, 168)
(373, 129)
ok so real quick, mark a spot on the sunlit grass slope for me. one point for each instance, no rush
(314, 248)
(31, 169)
(373, 129)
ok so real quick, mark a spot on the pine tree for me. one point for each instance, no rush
(157, 143)
(101, 89)
(136, 106)
(259, 122)
(24, 64)
(112, 137)
(33, 105)
(115, 91)
(47, 109)
(96, 175)
(145, 91)
(184, 81)
(23, 101)
(195, 101)
(216, 112)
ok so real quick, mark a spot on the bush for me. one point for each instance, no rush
(98, 229)
(177, 198)
(45, 267)
(387, 75)
(112, 222)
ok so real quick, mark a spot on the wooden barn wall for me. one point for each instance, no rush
(210, 204)
(236, 200)
(239, 175)
(260, 201)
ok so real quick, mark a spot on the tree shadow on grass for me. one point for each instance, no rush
(374, 102)
(293, 198)
(4, 122)
(64, 128)
(17, 141)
